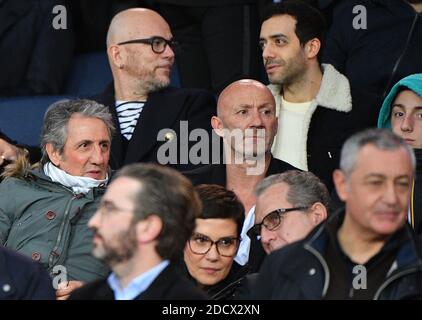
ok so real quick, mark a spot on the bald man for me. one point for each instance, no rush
(141, 53)
(247, 123)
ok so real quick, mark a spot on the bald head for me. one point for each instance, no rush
(136, 23)
(241, 89)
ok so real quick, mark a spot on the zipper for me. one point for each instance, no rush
(53, 253)
(395, 277)
(324, 266)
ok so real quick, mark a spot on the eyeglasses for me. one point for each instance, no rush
(158, 44)
(201, 244)
(272, 220)
(107, 208)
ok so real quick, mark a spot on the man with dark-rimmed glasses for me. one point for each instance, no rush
(147, 111)
(289, 205)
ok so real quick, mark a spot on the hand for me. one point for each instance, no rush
(8, 152)
(65, 288)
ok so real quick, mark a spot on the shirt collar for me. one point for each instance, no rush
(138, 285)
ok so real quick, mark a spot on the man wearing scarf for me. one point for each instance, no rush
(44, 209)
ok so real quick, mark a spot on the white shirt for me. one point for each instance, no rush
(290, 142)
(242, 256)
(137, 285)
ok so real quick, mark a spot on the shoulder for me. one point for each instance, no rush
(279, 166)
(366, 106)
(172, 91)
(185, 289)
(96, 290)
(26, 279)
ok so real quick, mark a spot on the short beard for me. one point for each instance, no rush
(121, 250)
(154, 85)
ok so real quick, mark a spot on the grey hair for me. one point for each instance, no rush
(305, 188)
(57, 117)
(383, 139)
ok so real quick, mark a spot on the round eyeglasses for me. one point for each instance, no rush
(201, 244)
(158, 44)
(272, 220)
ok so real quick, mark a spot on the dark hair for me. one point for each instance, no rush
(220, 203)
(310, 23)
(166, 193)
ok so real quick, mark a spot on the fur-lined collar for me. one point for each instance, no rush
(334, 92)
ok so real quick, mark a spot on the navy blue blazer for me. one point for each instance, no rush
(164, 109)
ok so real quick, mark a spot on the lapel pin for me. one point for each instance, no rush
(168, 136)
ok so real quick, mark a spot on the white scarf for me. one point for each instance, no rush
(78, 184)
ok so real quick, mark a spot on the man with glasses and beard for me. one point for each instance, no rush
(141, 53)
(140, 229)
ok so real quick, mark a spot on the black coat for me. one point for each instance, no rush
(164, 109)
(23, 279)
(368, 56)
(416, 200)
(34, 56)
(216, 174)
(169, 285)
(329, 129)
(299, 271)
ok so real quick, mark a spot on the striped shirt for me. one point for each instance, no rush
(128, 114)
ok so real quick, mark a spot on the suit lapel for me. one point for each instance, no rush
(161, 284)
(218, 174)
(103, 291)
(161, 111)
(117, 151)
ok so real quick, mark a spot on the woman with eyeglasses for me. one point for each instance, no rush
(210, 252)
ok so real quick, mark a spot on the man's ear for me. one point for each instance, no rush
(340, 182)
(312, 48)
(318, 213)
(53, 154)
(115, 56)
(149, 229)
(217, 125)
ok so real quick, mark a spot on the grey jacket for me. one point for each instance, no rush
(48, 222)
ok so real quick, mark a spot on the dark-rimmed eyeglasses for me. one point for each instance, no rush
(226, 246)
(158, 44)
(272, 220)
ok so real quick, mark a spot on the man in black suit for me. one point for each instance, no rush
(147, 111)
(140, 229)
(247, 123)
